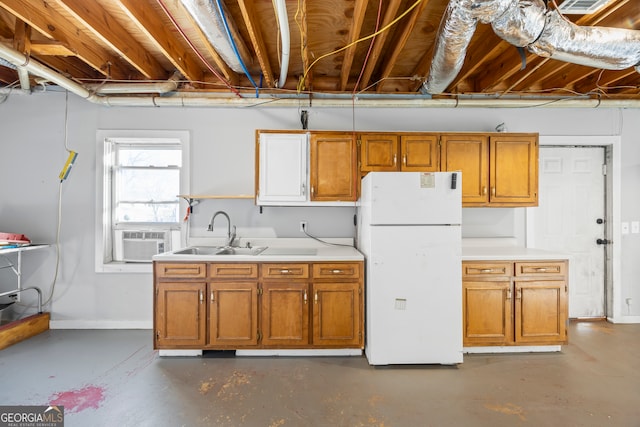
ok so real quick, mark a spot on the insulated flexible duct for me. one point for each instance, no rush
(527, 23)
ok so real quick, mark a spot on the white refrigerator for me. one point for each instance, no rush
(409, 231)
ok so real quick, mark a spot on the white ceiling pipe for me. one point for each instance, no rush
(230, 101)
(36, 68)
(146, 87)
(23, 76)
(283, 23)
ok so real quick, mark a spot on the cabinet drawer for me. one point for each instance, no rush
(288, 270)
(487, 269)
(541, 268)
(233, 271)
(179, 270)
(336, 270)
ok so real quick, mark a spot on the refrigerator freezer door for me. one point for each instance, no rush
(413, 197)
(414, 295)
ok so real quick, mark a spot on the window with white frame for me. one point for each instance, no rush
(141, 180)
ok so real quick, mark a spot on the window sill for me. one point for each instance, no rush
(125, 267)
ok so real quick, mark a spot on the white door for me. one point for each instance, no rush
(572, 201)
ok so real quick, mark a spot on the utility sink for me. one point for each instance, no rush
(220, 250)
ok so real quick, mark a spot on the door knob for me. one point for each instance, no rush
(599, 221)
(603, 241)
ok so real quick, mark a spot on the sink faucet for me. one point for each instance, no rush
(231, 236)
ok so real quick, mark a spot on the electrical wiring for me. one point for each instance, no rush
(323, 241)
(366, 58)
(380, 31)
(4, 97)
(234, 46)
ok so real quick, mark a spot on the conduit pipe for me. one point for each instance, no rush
(283, 23)
(147, 87)
(527, 23)
(291, 100)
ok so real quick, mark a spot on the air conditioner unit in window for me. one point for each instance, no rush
(141, 245)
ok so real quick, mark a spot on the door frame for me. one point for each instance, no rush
(613, 159)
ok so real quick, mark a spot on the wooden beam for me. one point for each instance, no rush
(7, 75)
(354, 34)
(22, 37)
(378, 43)
(53, 25)
(152, 25)
(107, 29)
(399, 43)
(50, 48)
(6, 30)
(252, 23)
(20, 330)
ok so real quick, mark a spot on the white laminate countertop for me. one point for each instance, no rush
(278, 250)
(509, 253)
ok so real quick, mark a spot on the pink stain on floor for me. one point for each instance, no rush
(78, 400)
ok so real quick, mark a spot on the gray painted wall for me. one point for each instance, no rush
(222, 162)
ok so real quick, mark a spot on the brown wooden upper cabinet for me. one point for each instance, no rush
(332, 171)
(497, 170)
(399, 152)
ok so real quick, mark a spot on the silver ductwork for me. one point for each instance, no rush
(206, 14)
(527, 23)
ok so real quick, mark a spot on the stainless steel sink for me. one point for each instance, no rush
(219, 250)
(241, 251)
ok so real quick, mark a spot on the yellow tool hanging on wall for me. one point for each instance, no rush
(64, 173)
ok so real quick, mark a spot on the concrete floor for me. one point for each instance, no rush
(114, 378)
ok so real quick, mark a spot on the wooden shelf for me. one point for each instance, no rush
(197, 196)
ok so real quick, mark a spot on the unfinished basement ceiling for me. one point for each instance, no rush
(101, 42)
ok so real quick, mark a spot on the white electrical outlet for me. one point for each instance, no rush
(625, 227)
(635, 227)
(303, 226)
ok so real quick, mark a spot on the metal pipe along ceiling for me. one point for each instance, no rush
(527, 23)
(320, 100)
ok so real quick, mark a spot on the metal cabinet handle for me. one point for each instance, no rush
(201, 297)
(541, 269)
(508, 293)
(395, 159)
(493, 191)
(284, 271)
(304, 189)
(315, 298)
(305, 296)
(212, 296)
(336, 271)
(519, 294)
(404, 160)
(486, 270)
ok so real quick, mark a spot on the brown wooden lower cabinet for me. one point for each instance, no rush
(514, 303)
(258, 305)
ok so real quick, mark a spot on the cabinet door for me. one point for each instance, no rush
(513, 170)
(541, 312)
(233, 314)
(180, 315)
(420, 153)
(469, 154)
(487, 313)
(336, 315)
(282, 167)
(333, 167)
(285, 314)
(379, 152)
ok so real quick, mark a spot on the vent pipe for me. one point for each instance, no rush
(527, 23)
